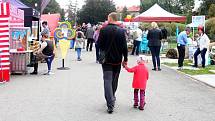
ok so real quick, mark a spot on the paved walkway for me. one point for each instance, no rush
(208, 79)
(77, 95)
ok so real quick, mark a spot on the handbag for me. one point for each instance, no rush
(102, 53)
(40, 56)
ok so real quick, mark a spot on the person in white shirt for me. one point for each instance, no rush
(203, 44)
(137, 41)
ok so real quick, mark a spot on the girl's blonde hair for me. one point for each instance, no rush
(142, 58)
(154, 25)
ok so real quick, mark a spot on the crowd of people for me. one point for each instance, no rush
(202, 41)
(111, 48)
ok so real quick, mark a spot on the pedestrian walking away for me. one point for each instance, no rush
(155, 36)
(112, 42)
(95, 37)
(79, 43)
(89, 35)
(141, 75)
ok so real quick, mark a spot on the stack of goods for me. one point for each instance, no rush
(35, 46)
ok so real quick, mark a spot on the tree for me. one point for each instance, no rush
(124, 13)
(173, 6)
(95, 11)
(62, 14)
(203, 9)
(211, 11)
(52, 7)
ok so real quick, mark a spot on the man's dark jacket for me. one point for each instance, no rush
(154, 36)
(112, 40)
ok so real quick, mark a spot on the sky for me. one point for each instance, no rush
(117, 2)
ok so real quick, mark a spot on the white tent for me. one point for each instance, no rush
(158, 14)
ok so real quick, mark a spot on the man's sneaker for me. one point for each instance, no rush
(154, 69)
(34, 73)
(110, 110)
(51, 73)
(48, 73)
(194, 66)
(180, 68)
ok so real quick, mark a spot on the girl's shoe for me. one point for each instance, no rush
(135, 105)
(79, 59)
(142, 107)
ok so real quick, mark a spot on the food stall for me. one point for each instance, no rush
(14, 41)
(10, 16)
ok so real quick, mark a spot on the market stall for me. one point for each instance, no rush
(31, 19)
(160, 15)
(13, 44)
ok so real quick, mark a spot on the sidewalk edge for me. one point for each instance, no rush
(193, 78)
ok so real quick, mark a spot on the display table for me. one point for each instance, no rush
(19, 61)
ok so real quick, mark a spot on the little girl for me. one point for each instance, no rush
(79, 44)
(140, 78)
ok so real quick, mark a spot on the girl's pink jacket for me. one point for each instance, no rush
(141, 75)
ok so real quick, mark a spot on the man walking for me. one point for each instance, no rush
(89, 35)
(181, 43)
(112, 42)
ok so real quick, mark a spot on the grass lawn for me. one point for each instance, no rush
(186, 63)
(201, 71)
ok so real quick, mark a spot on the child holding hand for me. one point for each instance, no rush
(141, 75)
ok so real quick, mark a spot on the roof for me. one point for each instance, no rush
(130, 9)
(16, 3)
(158, 14)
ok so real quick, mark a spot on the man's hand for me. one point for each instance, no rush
(124, 63)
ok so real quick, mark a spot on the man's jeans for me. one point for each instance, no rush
(110, 76)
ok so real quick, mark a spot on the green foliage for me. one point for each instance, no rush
(211, 11)
(52, 7)
(62, 14)
(124, 13)
(210, 28)
(189, 17)
(31, 3)
(95, 11)
(173, 6)
(205, 6)
(171, 27)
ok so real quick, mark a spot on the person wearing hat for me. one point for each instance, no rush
(203, 44)
(181, 43)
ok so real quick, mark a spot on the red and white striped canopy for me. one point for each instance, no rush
(10, 16)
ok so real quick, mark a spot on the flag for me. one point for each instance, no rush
(44, 3)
